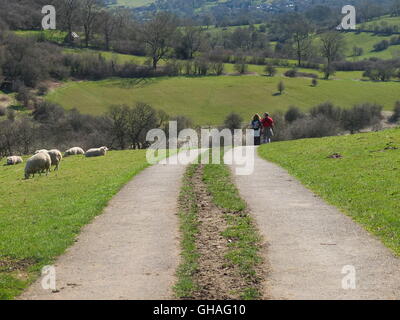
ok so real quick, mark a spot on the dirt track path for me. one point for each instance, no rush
(131, 251)
(309, 242)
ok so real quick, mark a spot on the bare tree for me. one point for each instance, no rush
(90, 12)
(190, 40)
(281, 87)
(157, 34)
(107, 25)
(301, 36)
(332, 47)
(141, 119)
(119, 119)
(68, 15)
(395, 10)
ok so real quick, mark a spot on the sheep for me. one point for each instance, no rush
(13, 160)
(97, 152)
(40, 162)
(42, 150)
(56, 158)
(73, 152)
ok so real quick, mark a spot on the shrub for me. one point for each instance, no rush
(188, 68)
(233, 121)
(313, 127)
(281, 87)
(24, 97)
(328, 110)
(361, 116)
(201, 66)
(382, 45)
(293, 114)
(396, 113)
(3, 111)
(241, 67)
(292, 73)
(314, 82)
(270, 70)
(217, 68)
(11, 114)
(42, 90)
(173, 68)
(328, 70)
(381, 70)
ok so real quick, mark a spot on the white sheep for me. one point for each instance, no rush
(13, 160)
(73, 152)
(40, 162)
(96, 152)
(42, 150)
(56, 158)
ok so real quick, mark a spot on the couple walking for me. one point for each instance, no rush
(263, 129)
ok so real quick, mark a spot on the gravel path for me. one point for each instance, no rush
(310, 242)
(131, 251)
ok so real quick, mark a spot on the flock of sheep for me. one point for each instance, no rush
(43, 160)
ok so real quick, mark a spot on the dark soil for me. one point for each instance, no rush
(216, 278)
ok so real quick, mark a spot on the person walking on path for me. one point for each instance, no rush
(267, 128)
(256, 125)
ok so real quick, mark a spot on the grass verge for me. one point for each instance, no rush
(186, 286)
(40, 217)
(244, 240)
(363, 179)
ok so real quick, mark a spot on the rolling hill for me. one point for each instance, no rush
(208, 100)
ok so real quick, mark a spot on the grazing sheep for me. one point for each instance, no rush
(96, 152)
(14, 160)
(42, 150)
(40, 162)
(56, 158)
(73, 152)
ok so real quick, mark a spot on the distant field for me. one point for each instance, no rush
(367, 41)
(49, 35)
(365, 183)
(119, 57)
(207, 100)
(388, 19)
(40, 217)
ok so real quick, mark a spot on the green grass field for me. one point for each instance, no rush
(388, 19)
(207, 100)
(40, 217)
(49, 35)
(108, 55)
(365, 183)
(367, 42)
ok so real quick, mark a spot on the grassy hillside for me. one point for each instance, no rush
(365, 183)
(386, 19)
(207, 100)
(40, 217)
(367, 41)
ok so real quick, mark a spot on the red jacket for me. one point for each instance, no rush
(268, 122)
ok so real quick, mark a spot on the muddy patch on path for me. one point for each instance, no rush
(217, 279)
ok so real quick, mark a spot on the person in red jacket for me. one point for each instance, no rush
(268, 128)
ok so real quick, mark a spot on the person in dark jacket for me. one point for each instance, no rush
(256, 125)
